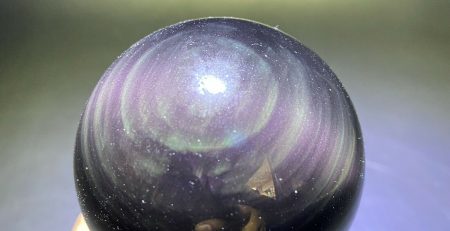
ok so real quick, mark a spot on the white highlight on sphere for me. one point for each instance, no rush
(211, 84)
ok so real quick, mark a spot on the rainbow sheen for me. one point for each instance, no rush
(206, 115)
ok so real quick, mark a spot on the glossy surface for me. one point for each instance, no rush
(206, 115)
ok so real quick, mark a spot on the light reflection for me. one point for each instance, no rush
(212, 85)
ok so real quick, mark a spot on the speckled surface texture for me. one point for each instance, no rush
(205, 115)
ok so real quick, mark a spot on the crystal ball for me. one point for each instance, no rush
(205, 117)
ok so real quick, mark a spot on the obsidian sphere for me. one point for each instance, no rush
(203, 116)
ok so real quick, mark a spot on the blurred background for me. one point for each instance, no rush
(392, 57)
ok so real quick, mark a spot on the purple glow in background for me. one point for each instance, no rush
(392, 58)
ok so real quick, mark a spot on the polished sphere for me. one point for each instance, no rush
(204, 116)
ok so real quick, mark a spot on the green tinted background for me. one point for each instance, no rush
(392, 56)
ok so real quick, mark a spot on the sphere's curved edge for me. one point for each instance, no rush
(212, 18)
(224, 18)
(219, 18)
(84, 194)
(347, 198)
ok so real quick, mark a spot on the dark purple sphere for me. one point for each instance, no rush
(204, 116)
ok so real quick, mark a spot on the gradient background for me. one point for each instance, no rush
(393, 57)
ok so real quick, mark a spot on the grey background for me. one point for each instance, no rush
(392, 56)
